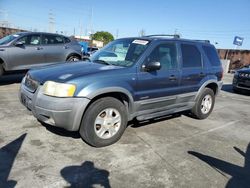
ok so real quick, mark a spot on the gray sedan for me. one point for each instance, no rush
(26, 50)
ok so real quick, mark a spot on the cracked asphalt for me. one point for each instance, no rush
(173, 151)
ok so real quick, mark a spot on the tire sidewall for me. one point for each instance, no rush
(72, 57)
(198, 113)
(87, 126)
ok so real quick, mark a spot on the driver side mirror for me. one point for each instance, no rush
(19, 43)
(152, 66)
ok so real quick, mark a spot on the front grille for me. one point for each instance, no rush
(31, 84)
(244, 75)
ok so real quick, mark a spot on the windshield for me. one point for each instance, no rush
(7, 39)
(121, 52)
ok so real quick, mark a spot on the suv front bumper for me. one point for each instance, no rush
(60, 112)
(241, 83)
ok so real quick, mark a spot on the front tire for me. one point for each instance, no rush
(104, 122)
(204, 105)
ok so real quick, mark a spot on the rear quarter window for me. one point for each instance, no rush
(66, 40)
(212, 55)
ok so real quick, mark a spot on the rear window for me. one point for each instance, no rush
(191, 56)
(212, 55)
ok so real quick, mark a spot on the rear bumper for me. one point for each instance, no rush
(60, 112)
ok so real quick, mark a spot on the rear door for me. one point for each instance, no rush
(54, 48)
(192, 68)
(28, 55)
(158, 89)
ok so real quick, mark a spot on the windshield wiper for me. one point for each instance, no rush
(101, 62)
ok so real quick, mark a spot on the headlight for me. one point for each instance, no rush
(58, 89)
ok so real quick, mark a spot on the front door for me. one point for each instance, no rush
(28, 55)
(158, 89)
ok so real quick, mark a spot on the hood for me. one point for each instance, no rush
(244, 70)
(68, 71)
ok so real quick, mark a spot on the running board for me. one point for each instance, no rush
(161, 113)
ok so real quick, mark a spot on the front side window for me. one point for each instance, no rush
(191, 56)
(30, 40)
(35, 40)
(121, 52)
(166, 55)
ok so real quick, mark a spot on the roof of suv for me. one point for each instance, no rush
(31, 32)
(168, 38)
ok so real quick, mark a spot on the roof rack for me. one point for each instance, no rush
(206, 41)
(164, 35)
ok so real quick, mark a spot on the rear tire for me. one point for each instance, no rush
(104, 122)
(204, 105)
(73, 58)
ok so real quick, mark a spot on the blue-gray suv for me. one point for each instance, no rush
(140, 78)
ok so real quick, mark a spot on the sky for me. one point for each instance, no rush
(216, 20)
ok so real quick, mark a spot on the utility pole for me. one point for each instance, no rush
(91, 21)
(51, 22)
(4, 21)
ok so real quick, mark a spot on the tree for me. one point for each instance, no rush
(103, 36)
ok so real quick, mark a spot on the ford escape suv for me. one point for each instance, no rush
(27, 50)
(140, 78)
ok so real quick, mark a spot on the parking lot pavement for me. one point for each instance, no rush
(175, 151)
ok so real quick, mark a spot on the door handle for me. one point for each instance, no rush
(39, 48)
(66, 47)
(172, 78)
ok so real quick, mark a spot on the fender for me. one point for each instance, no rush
(97, 89)
(215, 81)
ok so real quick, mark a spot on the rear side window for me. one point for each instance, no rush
(52, 39)
(191, 56)
(211, 55)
